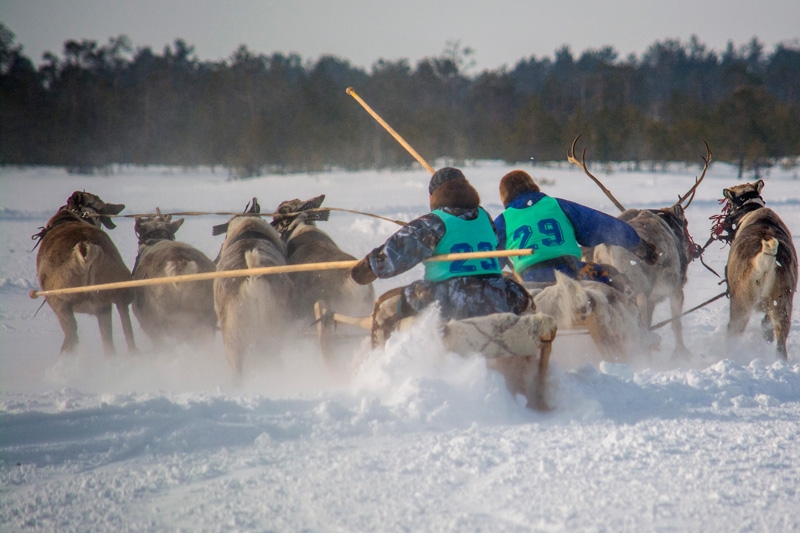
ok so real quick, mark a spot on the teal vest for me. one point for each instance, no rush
(464, 236)
(542, 227)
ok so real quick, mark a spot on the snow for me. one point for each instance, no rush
(414, 439)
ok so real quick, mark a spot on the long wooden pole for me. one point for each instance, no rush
(262, 271)
(388, 128)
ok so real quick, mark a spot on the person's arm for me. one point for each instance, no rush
(594, 227)
(402, 251)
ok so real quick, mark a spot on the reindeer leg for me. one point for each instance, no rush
(66, 318)
(739, 316)
(645, 309)
(781, 320)
(676, 307)
(127, 328)
(234, 352)
(767, 329)
(104, 321)
(782, 332)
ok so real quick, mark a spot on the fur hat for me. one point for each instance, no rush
(515, 183)
(442, 175)
(458, 193)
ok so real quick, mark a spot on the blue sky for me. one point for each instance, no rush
(500, 31)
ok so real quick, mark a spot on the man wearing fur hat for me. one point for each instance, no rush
(462, 289)
(556, 229)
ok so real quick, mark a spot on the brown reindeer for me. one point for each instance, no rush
(251, 310)
(667, 229)
(181, 311)
(74, 251)
(305, 243)
(762, 264)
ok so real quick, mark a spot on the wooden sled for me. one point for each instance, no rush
(516, 346)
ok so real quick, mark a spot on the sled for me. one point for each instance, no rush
(516, 346)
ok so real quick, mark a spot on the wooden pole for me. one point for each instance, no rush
(388, 128)
(262, 271)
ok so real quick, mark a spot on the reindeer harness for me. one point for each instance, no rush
(727, 223)
(680, 231)
(64, 215)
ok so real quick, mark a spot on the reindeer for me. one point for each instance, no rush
(251, 309)
(305, 243)
(611, 316)
(184, 311)
(762, 264)
(74, 251)
(667, 229)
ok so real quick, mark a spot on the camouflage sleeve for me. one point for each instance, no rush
(408, 247)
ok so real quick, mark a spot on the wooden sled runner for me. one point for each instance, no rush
(516, 346)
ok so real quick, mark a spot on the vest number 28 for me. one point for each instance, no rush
(548, 227)
(460, 266)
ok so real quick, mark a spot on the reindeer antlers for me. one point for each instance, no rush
(571, 158)
(693, 190)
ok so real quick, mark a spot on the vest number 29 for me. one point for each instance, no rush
(460, 266)
(548, 227)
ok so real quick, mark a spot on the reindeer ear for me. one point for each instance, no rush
(220, 229)
(316, 201)
(112, 209)
(75, 199)
(173, 226)
(107, 222)
(727, 193)
(759, 186)
(253, 207)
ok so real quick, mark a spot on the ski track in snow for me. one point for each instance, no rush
(413, 439)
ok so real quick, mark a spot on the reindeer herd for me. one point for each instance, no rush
(256, 312)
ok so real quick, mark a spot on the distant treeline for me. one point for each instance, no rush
(99, 105)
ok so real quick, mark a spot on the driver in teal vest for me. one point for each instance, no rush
(462, 289)
(556, 229)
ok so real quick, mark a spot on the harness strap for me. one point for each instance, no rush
(73, 216)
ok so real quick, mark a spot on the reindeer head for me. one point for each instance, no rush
(744, 195)
(87, 206)
(293, 212)
(159, 227)
(739, 201)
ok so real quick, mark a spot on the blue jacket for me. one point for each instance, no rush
(591, 227)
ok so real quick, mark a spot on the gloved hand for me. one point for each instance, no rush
(362, 273)
(646, 251)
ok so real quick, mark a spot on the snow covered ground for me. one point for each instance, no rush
(416, 439)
